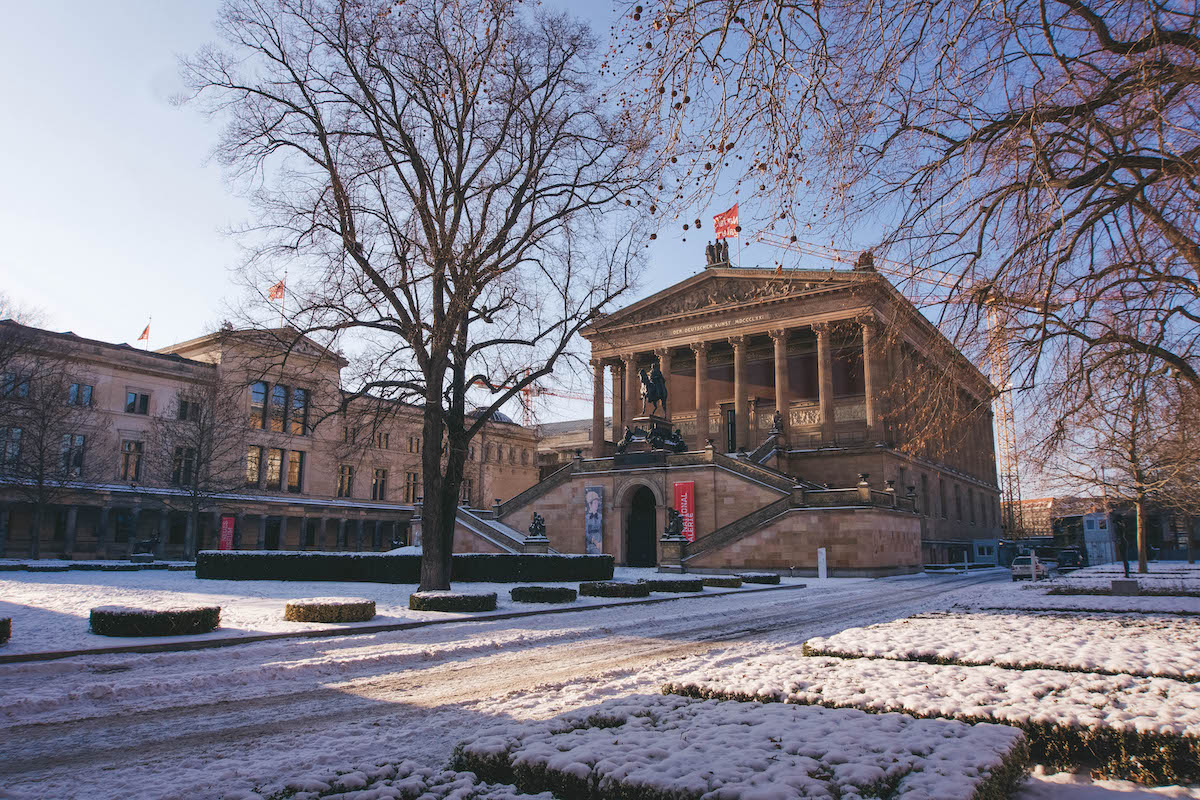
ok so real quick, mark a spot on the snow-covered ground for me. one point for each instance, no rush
(247, 721)
(50, 610)
(1145, 645)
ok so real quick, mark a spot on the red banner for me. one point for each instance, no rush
(226, 542)
(685, 504)
(725, 224)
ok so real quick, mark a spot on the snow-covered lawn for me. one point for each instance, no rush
(1151, 646)
(1154, 715)
(1034, 597)
(50, 610)
(648, 746)
(404, 780)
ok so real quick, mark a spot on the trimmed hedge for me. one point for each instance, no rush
(126, 621)
(257, 565)
(769, 578)
(723, 581)
(613, 589)
(5, 629)
(543, 594)
(452, 601)
(329, 609)
(674, 584)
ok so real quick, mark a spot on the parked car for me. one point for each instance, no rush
(1022, 569)
(1069, 560)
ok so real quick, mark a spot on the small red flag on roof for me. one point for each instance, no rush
(275, 292)
(726, 223)
(145, 337)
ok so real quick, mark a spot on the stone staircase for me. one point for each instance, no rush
(728, 534)
(483, 524)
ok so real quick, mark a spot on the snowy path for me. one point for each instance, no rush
(220, 723)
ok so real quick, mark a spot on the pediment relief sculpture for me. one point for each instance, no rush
(720, 292)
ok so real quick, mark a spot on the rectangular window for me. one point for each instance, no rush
(295, 471)
(300, 412)
(253, 465)
(414, 444)
(310, 532)
(274, 468)
(279, 396)
(412, 487)
(137, 403)
(71, 455)
(183, 466)
(971, 504)
(15, 385)
(464, 495)
(258, 402)
(945, 506)
(10, 447)
(80, 394)
(189, 410)
(379, 484)
(131, 460)
(345, 486)
(382, 440)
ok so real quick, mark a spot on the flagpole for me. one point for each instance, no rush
(149, 320)
(283, 305)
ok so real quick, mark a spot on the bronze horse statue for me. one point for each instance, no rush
(654, 390)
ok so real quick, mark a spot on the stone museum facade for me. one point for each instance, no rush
(818, 408)
(306, 478)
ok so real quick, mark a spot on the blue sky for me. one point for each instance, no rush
(112, 212)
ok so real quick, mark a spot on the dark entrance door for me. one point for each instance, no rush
(272, 538)
(639, 530)
(730, 431)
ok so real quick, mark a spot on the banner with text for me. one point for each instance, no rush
(685, 504)
(227, 523)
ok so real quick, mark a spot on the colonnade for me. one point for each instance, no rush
(625, 372)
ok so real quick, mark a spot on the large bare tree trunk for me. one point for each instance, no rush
(1139, 506)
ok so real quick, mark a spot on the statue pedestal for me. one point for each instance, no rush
(649, 434)
(672, 553)
(538, 545)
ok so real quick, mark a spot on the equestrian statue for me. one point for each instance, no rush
(654, 389)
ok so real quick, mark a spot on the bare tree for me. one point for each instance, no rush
(441, 179)
(47, 428)
(199, 449)
(1044, 155)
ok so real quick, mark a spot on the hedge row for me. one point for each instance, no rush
(390, 568)
(329, 609)
(5, 629)
(124, 621)
(543, 594)
(452, 601)
(1150, 758)
(613, 589)
(769, 578)
(674, 584)
(722, 581)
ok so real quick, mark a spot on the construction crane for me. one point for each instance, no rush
(530, 391)
(997, 349)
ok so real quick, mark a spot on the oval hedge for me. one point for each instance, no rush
(452, 601)
(760, 577)
(723, 581)
(329, 609)
(543, 594)
(613, 589)
(674, 584)
(5, 629)
(127, 621)
(271, 565)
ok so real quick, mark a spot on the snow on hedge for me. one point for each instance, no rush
(407, 779)
(1148, 646)
(669, 748)
(1145, 729)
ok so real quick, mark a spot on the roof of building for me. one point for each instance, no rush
(75, 339)
(569, 426)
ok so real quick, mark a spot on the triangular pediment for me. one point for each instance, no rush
(716, 291)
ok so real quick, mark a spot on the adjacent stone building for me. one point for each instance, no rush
(305, 478)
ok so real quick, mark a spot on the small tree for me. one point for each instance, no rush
(199, 448)
(442, 180)
(47, 431)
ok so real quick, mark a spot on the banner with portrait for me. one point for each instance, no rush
(593, 520)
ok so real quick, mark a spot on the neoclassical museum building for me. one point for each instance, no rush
(818, 409)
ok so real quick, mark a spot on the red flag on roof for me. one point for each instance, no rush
(275, 292)
(145, 337)
(726, 223)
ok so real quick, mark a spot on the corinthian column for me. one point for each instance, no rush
(631, 387)
(825, 379)
(781, 376)
(618, 416)
(597, 409)
(739, 390)
(701, 351)
(870, 331)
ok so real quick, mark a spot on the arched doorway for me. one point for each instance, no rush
(640, 550)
